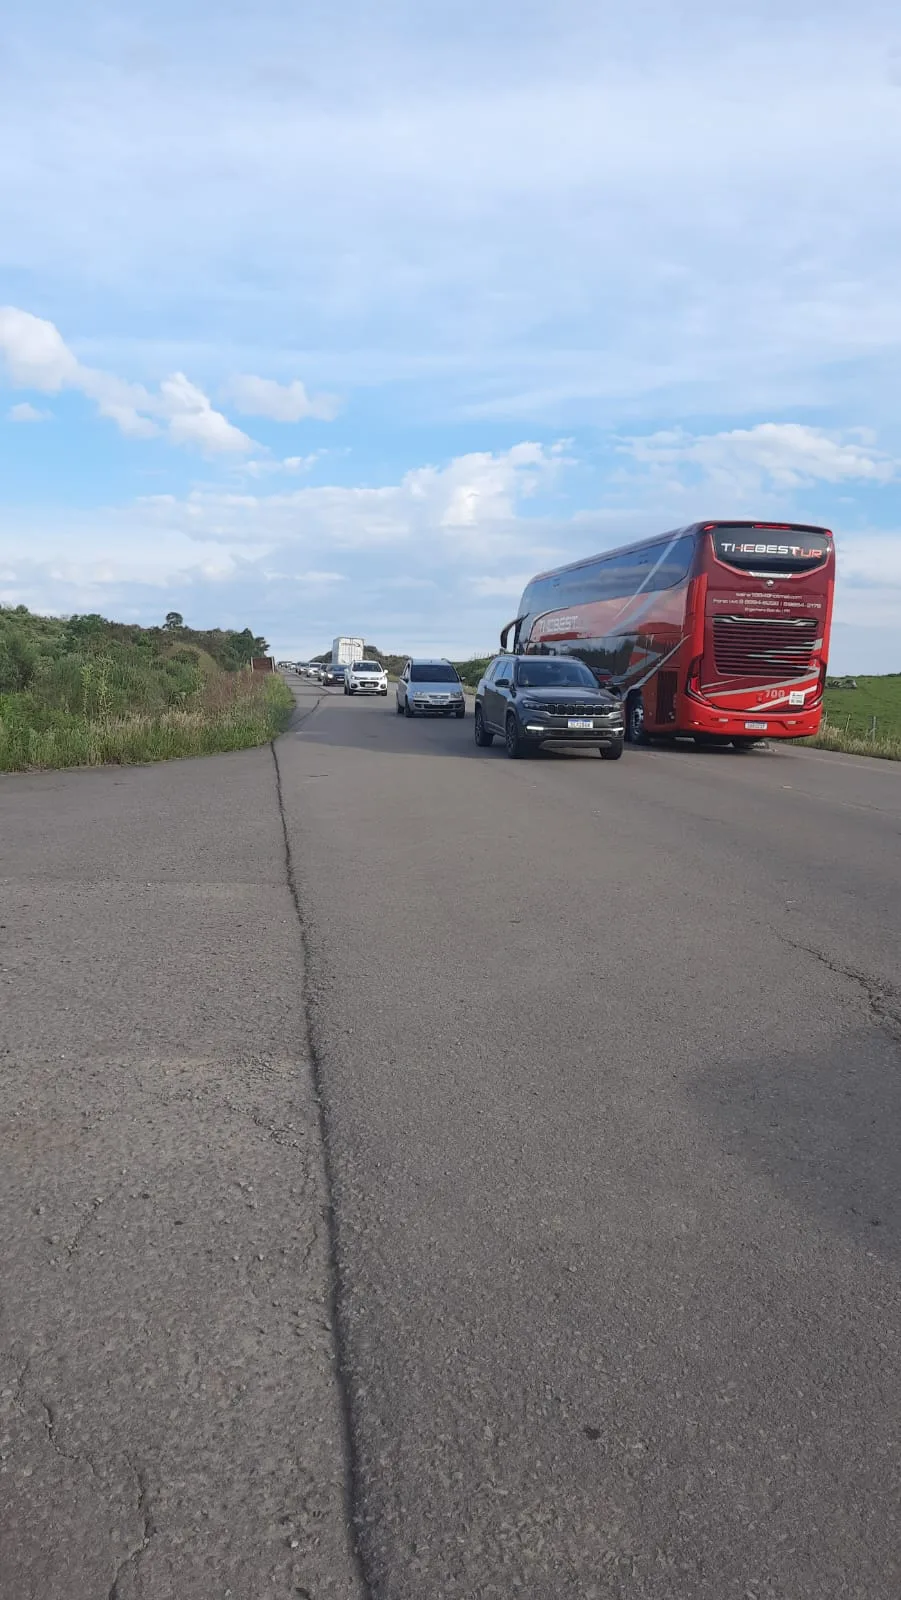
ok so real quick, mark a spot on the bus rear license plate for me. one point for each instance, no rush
(580, 722)
(757, 725)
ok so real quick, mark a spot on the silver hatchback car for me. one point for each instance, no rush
(432, 688)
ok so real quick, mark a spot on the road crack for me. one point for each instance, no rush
(882, 999)
(148, 1531)
(77, 1457)
(90, 1217)
(353, 1498)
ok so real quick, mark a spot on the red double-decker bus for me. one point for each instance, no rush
(719, 630)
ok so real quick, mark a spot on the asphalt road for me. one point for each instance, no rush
(171, 1426)
(611, 1057)
(608, 1061)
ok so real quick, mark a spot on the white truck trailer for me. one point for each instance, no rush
(346, 651)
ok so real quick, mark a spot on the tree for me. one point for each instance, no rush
(174, 621)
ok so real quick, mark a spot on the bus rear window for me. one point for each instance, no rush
(771, 549)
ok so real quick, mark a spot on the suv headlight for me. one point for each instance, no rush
(533, 705)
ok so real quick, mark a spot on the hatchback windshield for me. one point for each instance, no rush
(553, 674)
(366, 666)
(433, 672)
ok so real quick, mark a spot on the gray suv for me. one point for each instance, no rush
(430, 687)
(534, 700)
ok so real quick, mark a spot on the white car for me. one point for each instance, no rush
(365, 677)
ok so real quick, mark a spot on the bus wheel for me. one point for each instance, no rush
(745, 744)
(635, 720)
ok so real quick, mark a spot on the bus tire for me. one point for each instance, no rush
(635, 719)
(741, 745)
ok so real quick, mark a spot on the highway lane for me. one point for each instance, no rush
(611, 1060)
(170, 1421)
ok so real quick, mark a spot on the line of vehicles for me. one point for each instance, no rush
(524, 701)
(716, 631)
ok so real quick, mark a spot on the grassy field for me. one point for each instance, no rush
(83, 691)
(864, 720)
(852, 711)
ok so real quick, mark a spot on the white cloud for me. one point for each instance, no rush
(192, 419)
(280, 402)
(36, 354)
(467, 508)
(784, 455)
(425, 535)
(25, 412)
(290, 465)
(37, 357)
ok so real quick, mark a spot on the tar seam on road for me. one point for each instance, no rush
(352, 1490)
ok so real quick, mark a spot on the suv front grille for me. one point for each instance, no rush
(578, 708)
(750, 647)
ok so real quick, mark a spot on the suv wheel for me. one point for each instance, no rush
(398, 707)
(517, 747)
(408, 709)
(612, 752)
(460, 711)
(480, 733)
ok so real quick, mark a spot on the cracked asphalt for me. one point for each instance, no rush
(171, 1425)
(587, 1081)
(611, 1059)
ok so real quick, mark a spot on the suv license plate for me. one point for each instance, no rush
(757, 725)
(580, 722)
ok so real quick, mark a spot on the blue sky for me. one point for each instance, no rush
(325, 319)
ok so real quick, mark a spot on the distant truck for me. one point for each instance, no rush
(346, 651)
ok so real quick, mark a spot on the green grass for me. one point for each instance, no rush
(472, 670)
(863, 721)
(86, 692)
(853, 710)
(257, 710)
(832, 738)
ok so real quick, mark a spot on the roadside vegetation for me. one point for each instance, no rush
(83, 691)
(862, 717)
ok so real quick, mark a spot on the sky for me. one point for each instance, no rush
(329, 319)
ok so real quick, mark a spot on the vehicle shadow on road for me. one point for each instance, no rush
(824, 1128)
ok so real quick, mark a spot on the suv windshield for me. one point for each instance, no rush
(366, 666)
(433, 672)
(544, 673)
